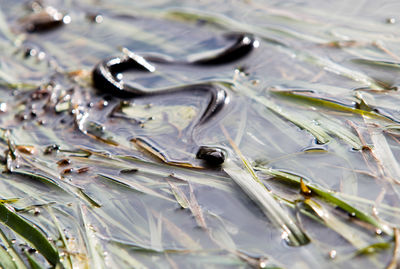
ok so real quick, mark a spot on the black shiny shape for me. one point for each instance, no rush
(213, 156)
(106, 78)
(243, 44)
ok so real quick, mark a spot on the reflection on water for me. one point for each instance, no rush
(108, 180)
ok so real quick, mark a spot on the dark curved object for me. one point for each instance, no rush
(105, 78)
(243, 44)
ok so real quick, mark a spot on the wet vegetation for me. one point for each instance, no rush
(228, 134)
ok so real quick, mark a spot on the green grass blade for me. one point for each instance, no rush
(296, 96)
(29, 233)
(309, 125)
(92, 243)
(32, 262)
(135, 186)
(330, 197)
(346, 231)
(264, 198)
(6, 261)
(10, 251)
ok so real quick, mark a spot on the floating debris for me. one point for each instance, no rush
(64, 162)
(47, 19)
(26, 149)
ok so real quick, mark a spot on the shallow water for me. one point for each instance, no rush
(316, 99)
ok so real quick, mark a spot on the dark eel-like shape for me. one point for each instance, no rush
(105, 79)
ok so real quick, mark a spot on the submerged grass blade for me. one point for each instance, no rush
(9, 253)
(6, 261)
(196, 209)
(92, 244)
(255, 189)
(351, 235)
(29, 233)
(179, 195)
(384, 154)
(183, 238)
(335, 68)
(68, 260)
(371, 249)
(155, 230)
(271, 208)
(395, 258)
(32, 262)
(44, 179)
(309, 125)
(330, 197)
(266, 33)
(124, 256)
(134, 186)
(86, 197)
(296, 96)
(337, 129)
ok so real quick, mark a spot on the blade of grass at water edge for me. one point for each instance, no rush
(29, 233)
(328, 196)
(180, 197)
(266, 33)
(8, 257)
(155, 230)
(297, 96)
(309, 125)
(134, 186)
(346, 231)
(92, 243)
(335, 68)
(382, 150)
(337, 129)
(10, 252)
(32, 262)
(125, 256)
(255, 189)
(62, 237)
